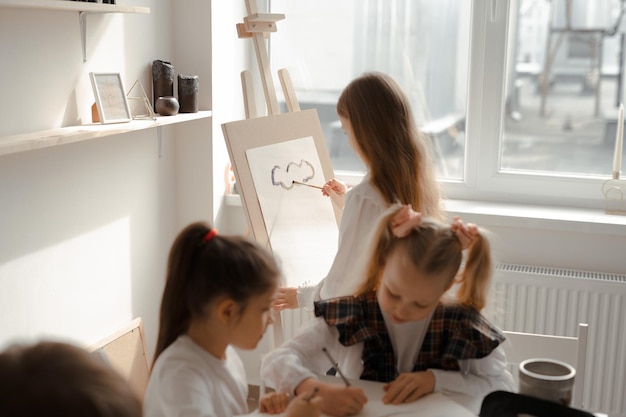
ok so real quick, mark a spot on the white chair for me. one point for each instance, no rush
(572, 350)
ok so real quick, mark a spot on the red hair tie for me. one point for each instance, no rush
(209, 235)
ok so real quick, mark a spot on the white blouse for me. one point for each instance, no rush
(302, 357)
(363, 207)
(187, 381)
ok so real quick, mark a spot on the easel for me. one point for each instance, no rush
(259, 26)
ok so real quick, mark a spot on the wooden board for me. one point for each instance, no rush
(125, 350)
(247, 134)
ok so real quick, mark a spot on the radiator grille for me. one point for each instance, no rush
(553, 301)
(560, 273)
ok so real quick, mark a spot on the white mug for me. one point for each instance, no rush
(548, 379)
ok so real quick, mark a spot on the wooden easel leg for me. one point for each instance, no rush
(288, 90)
(249, 102)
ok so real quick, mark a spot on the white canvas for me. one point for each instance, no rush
(299, 220)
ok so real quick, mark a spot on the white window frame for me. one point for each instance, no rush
(486, 91)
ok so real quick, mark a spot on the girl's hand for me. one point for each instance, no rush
(466, 233)
(301, 407)
(336, 190)
(274, 402)
(409, 387)
(337, 399)
(286, 297)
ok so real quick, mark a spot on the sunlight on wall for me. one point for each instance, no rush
(95, 266)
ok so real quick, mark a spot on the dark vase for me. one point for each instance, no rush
(162, 80)
(188, 87)
(167, 106)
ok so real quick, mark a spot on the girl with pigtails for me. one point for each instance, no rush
(404, 326)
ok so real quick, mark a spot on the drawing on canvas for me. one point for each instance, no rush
(301, 175)
(299, 221)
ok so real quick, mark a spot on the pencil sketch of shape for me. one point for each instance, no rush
(300, 224)
(301, 172)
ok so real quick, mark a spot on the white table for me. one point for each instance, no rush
(433, 405)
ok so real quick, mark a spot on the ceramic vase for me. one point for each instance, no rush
(162, 80)
(167, 106)
(188, 87)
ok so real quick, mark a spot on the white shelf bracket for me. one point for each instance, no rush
(82, 20)
(160, 141)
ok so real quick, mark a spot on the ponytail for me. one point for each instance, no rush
(203, 266)
(476, 275)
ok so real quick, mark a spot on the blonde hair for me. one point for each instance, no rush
(398, 156)
(434, 249)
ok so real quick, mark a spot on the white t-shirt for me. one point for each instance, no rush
(363, 207)
(187, 381)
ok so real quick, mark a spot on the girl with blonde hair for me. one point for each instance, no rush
(377, 119)
(403, 326)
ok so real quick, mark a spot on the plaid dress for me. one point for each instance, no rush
(455, 332)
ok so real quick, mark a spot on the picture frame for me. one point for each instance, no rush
(111, 100)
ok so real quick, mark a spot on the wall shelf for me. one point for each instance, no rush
(71, 134)
(84, 9)
(73, 6)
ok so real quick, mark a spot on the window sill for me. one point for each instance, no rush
(548, 218)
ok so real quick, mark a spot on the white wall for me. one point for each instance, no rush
(85, 228)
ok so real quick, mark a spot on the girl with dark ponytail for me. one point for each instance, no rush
(218, 293)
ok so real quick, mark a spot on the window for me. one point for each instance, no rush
(528, 116)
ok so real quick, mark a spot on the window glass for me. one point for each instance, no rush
(563, 87)
(423, 44)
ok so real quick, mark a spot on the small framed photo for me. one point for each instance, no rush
(110, 97)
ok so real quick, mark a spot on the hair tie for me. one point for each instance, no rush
(465, 233)
(404, 221)
(209, 235)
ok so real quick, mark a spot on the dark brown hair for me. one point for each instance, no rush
(201, 271)
(59, 379)
(434, 249)
(398, 157)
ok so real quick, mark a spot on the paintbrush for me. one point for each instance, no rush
(308, 185)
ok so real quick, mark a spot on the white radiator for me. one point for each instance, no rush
(553, 301)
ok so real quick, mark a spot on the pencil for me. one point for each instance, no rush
(336, 366)
(308, 185)
(311, 395)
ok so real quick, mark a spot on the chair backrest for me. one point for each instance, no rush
(125, 351)
(509, 404)
(572, 350)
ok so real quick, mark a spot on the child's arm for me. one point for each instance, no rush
(294, 367)
(336, 190)
(409, 387)
(337, 399)
(477, 376)
(299, 358)
(286, 297)
(273, 402)
(305, 406)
